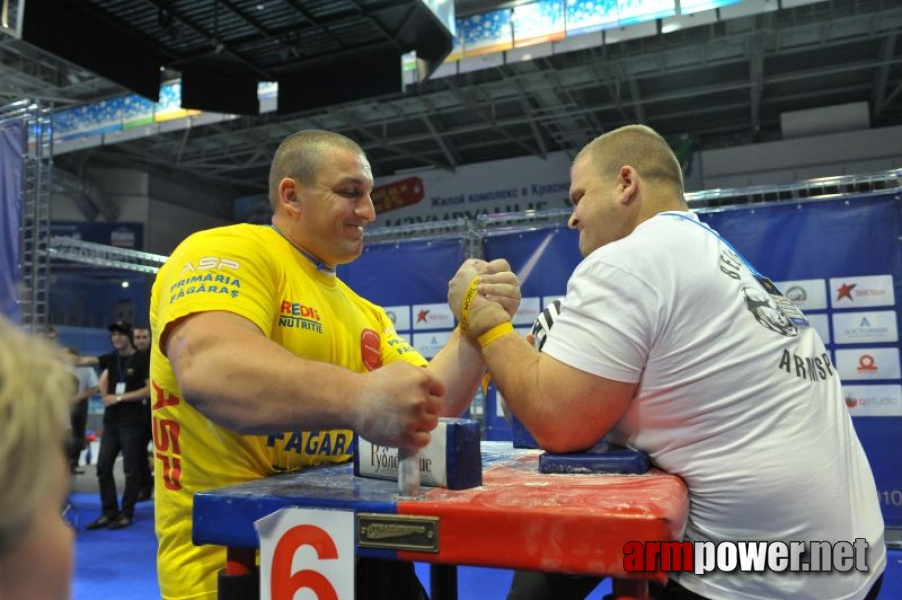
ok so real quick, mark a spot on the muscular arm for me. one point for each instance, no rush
(237, 377)
(564, 408)
(460, 366)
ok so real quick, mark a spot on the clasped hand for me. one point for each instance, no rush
(399, 405)
(497, 298)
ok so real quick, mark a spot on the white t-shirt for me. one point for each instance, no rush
(733, 397)
(87, 378)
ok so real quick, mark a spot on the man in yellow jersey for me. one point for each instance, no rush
(263, 361)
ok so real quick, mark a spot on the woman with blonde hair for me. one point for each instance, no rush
(36, 543)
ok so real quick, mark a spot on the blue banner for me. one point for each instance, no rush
(410, 280)
(543, 259)
(12, 164)
(414, 272)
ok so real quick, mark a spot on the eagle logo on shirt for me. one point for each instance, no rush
(767, 313)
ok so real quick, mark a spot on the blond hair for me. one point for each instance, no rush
(35, 389)
(638, 146)
(301, 155)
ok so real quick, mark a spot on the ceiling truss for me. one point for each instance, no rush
(721, 84)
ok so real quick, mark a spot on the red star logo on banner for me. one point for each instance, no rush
(421, 316)
(845, 291)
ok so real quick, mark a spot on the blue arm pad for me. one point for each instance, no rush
(601, 458)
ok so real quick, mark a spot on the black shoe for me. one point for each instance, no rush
(77, 471)
(103, 521)
(145, 494)
(121, 522)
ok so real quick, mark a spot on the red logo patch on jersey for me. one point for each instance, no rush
(369, 349)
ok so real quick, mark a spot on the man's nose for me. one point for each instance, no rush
(366, 209)
(572, 222)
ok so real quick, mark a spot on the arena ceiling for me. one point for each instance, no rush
(716, 85)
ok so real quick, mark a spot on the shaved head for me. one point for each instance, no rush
(640, 147)
(301, 155)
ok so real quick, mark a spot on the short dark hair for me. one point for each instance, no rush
(123, 327)
(300, 156)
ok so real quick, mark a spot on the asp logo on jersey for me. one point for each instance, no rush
(208, 263)
(206, 276)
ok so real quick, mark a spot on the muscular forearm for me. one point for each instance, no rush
(241, 380)
(564, 408)
(514, 366)
(460, 366)
(230, 372)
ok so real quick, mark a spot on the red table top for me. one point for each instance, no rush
(520, 518)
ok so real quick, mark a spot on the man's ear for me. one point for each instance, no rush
(628, 180)
(288, 193)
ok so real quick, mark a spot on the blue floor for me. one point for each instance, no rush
(114, 564)
(121, 564)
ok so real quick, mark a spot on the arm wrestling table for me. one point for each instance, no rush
(518, 519)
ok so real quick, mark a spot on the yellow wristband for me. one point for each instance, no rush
(494, 333)
(465, 305)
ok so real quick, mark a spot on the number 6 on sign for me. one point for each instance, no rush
(307, 549)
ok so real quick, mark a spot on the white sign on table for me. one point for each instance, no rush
(306, 553)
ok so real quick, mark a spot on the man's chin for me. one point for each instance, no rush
(351, 254)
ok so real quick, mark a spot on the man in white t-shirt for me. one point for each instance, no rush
(671, 343)
(87, 386)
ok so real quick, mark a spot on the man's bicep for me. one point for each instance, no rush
(202, 330)
(584, 406)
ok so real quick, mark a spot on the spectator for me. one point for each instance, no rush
(123, 387)
(36, 549)
(87, 387)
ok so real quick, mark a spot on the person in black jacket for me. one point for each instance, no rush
(124, 385)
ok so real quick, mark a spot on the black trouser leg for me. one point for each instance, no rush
(109, 449)
(536, 585)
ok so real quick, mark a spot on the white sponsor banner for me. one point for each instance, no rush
(873, 400)
(400, 316)
(865, 327)
(510, 185)
(428, 344)
(382, 462)
(821, 324)
(871, 290)
(433, 316)
(868, 363)
(306, 553)
(807, 294)
(528, 311)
